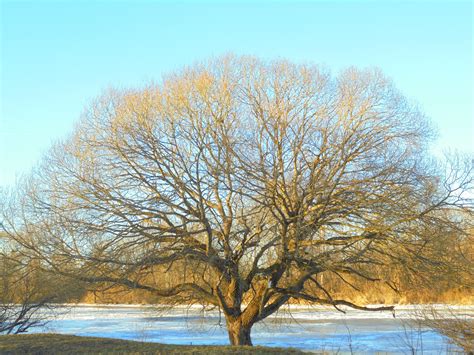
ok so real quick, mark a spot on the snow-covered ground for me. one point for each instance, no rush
(310, 329)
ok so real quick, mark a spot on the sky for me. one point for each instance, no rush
(57, 56)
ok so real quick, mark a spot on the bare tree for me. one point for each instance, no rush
(247, 180)
(18, 318)
(23, 305)
(457, 327)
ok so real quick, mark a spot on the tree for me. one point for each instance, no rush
(457, 328)
(22, 302)
(248, 179)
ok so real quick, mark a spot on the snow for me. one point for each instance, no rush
(310, 329)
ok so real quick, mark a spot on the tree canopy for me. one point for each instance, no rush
(248, 179)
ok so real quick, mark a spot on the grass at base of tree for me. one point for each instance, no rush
(59, 343)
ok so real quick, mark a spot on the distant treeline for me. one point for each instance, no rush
(401, 285)
(440, 291)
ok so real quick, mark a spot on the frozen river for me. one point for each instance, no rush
(310, 329)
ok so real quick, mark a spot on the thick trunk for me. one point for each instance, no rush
(239, 334)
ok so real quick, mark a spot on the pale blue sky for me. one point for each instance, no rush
(57, 56)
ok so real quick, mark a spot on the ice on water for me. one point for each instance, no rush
(316, 328)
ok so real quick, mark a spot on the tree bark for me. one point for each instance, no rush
(239, 333)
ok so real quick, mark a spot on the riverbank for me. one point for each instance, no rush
(40, 344)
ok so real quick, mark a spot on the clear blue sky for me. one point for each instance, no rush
(57, 56)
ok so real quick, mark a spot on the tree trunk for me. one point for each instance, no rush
(239, 334)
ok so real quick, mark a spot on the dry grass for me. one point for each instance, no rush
(40, 344)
